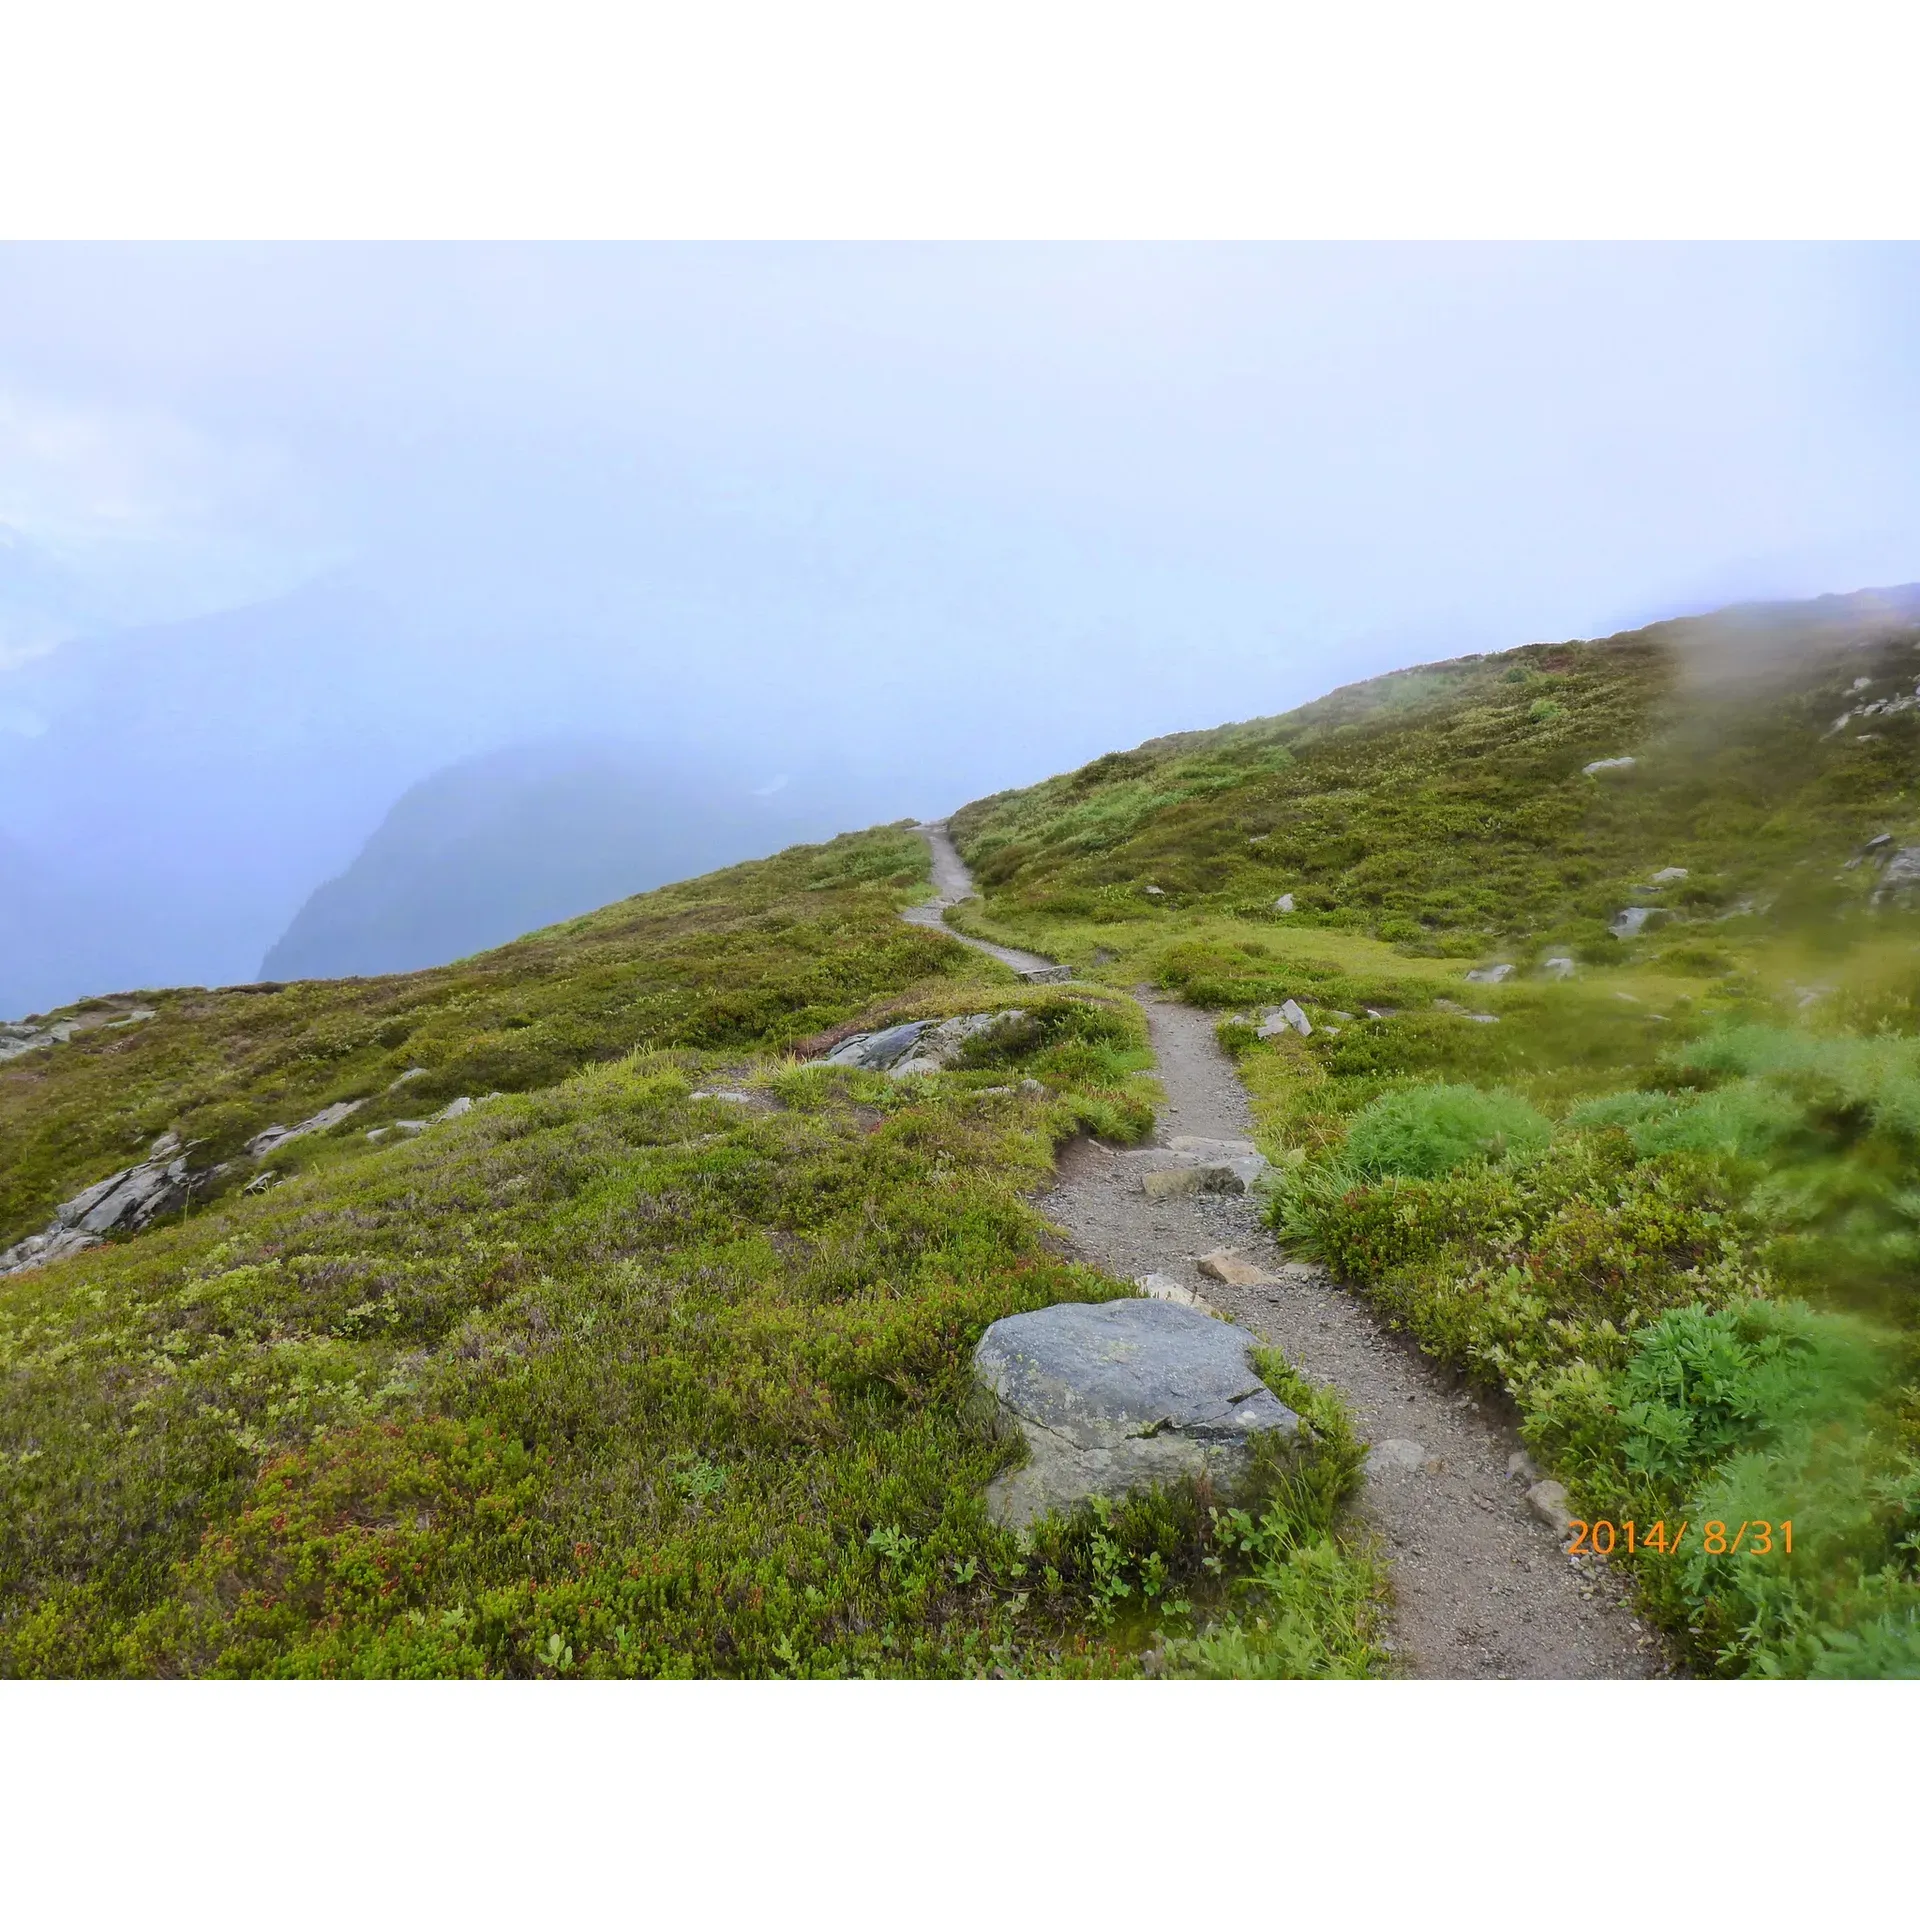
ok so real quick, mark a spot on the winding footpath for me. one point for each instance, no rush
(1482, 1588)
(955, 884)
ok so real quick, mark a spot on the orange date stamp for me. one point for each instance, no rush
(1755, 1537)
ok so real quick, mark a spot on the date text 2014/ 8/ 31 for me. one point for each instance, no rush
(1602, 1537)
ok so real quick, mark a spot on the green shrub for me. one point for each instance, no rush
(1744, 1119)
(1695, 957)
(1720, 1425)
(1213, 974)
(1421, 1131)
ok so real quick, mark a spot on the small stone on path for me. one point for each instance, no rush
(1548, 1498)
(1226, 1266)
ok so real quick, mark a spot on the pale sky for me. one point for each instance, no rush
(1262, 451)
(951, 517)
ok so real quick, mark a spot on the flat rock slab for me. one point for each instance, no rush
(1235, 1270)
(265, 1142)
(1176, 1175)
(123, 1202)
(1156, 1286)
(877, 1051)
(1230, 1270)
(1118, 1397)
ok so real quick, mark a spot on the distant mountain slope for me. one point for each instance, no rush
(186, 787)
(500, 844)
(1445, 803)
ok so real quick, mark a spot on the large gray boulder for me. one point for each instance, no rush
(1115, 1398)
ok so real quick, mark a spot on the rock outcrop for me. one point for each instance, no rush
(1899, 876)
(23, 1036)
(1289, 1013)
(123, 1202)
(464, 1103)
(28, 1036)
(1115, 1398)
(264, 1142)
(160, 1185)
(927, 1046)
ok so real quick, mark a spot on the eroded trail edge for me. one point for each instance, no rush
(1482, 1588)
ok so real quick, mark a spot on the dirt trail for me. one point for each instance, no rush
(955, 884)
(1483, 1589)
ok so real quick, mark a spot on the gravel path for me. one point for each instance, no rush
(1482, 1587)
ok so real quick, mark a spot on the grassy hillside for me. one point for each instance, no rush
(1445, 807)
(1669, 1204)
(759, 954)
(602, 1378)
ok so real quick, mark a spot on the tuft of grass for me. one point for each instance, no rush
(1311, 1602)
